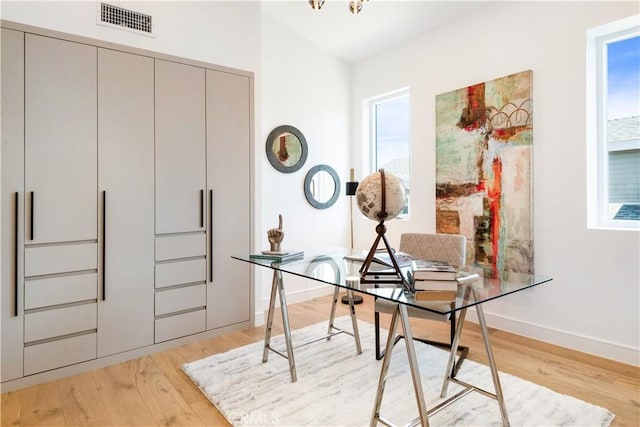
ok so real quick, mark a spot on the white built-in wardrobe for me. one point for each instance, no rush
(125, 190)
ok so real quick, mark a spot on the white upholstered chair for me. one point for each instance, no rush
(439, 247)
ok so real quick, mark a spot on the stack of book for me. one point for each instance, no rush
(434, 280)
(279, 257)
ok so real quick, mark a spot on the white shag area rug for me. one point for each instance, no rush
(336, 387)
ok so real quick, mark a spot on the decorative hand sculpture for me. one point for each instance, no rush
(276, 235)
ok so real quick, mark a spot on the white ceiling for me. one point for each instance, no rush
(382, 24)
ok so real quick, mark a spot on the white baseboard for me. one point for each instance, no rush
(582, 343)
(259, 318)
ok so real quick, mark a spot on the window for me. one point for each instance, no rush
(389, 137)
(613, 121)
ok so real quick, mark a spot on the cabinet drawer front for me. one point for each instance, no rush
(183, 246)
(60, 259)
(60, 290)
(173, 300)
(52, 323)
(55, 354)
(181, 325)
(180, 272)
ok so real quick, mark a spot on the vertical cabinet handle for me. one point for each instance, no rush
(15, 259)
(211, 236)
(31, 218)
(201, 208)
(104, 244)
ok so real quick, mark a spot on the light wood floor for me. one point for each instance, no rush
(153, 391)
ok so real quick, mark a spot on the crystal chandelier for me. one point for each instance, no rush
(355, 6)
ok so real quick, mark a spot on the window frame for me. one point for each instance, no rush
(596, 122)
(371, 140)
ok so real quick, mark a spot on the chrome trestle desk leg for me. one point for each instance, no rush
(334, 303)
(375, 417)
(278, 286)
(401, 311)
(492, 364)
(455, 343)
(269, 325)
(413, 365)
(354, 319)
(498, 396)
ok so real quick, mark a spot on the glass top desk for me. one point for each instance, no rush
(328, 265)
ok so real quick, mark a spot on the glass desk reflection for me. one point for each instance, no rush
(329, 266)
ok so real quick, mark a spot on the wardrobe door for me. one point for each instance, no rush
(228, 173)
(12, 205)
(126, 199)
(60, 138)
(180, 200)
(61, 202)
(180, 147)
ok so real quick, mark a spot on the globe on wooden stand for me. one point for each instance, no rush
(381, 197)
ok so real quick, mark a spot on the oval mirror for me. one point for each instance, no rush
(321, 186)
(286, 149)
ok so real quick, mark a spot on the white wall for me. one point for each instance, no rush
(592, 304)
(309, 89)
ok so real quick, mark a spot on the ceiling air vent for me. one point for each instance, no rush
(124, 18)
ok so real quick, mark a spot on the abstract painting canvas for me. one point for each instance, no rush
(484, 136)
